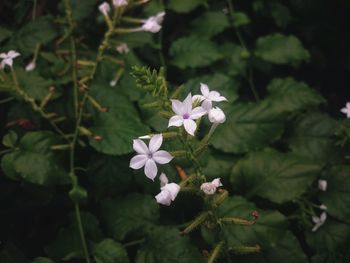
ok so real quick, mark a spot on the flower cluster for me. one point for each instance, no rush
(186, 112)
(320, 220)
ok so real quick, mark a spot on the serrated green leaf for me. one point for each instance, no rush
(248, 127)
(280, 49)
(67, 244)
(278, 177)
(312, 138)
(193, 52)
(39, 31)
(109, 251)
(288, 95)
(165, 244)
(210, 24)
(184, 6)
(35, 162)
(129, 214)
(337, 195)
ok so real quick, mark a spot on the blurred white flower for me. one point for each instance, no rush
(31, 65)
(208, 97)
(185, 115)
(209, 188)
(113, 82)
(7, 58)
(216, 115)
(323, 207)
(145, 137)
(168, 191)
(153, 23)
(104, 8)
(123, 48)
(319, 221)
(322, 185)
(346, 110)
(148, 156)
(120, 3)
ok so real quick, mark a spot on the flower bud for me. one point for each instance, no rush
(209, 188)
(168, 193)
(322, 185)
(104, 8)
(31, 66)
(216, 115)
(120, 3)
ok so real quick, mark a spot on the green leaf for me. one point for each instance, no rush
(129, 214)
(280, 14)
(337, 195)
(165, 244)
(7, 166)
(40, 31)
(82, 11)
(240, 19)
(4, 34)
(109, 251)
(34, 160)
(10, 139)
(184, 6)
(67, 244)
(193, 52)
(234, 56)
(42, 260)
(210, 24)
(280, 49)
(288, 95)
(249, 126)
(278, 177)
(312, 138)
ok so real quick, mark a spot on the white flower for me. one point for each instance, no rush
(120, 3)
(123, 48)
(216, 115)
(104, 8)
(185, 115)
(208, 97)
(209, 188)
(153, 23)
(148, 156)
(319, 221)
(168, 191)
(7, 58)
(113, 82)
(346, 110)
(322, 185)
(323, 207)
(31, 66)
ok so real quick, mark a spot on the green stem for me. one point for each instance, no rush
(6, 100)
(5, 151)
(136, 242)
(35, 3)
(216, 252)
(81, 232)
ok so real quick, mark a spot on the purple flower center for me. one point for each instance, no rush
(186, 116)
(150, 155)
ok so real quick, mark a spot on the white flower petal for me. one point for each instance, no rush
(173, 189)
(163, 179)
(177, 107)
(205, 89)
(207, 104)
(322, 185)
(316, 219)
(3, 55)
(155, 142)
(140, 147)
(208, 188)
(187, 104)
(323, 217)
(348, 105)
(217, 182)
(138, 161)
(197, 113)
(164, 198)
(176, 121)
(151, 169)
(12, 54)
(215, 96)
(190, 126)
(162, 157)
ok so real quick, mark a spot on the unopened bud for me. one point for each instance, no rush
(25, 124)
(216, 115)
(98, 138)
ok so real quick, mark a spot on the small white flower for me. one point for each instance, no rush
(148, 156)
(209, 188)
(319, 221)
(216, 115)
(323, 207)
(346, 110)
(168, 191)
(153, 23)
(120, 3)
(123, 48)
(104, 8)
(31, 66)
(322, 185)
(7, 58)
(185, 115)
(208, 97)
(113, 82)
